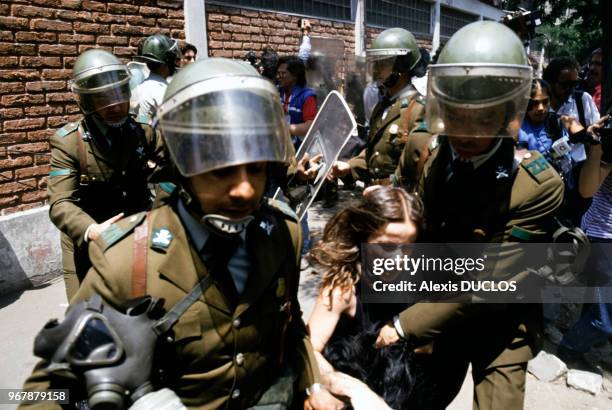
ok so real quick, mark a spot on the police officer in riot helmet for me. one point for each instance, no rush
(162, 55)
(392, 60)
(216, 234)
(99, 164)
(476, 188)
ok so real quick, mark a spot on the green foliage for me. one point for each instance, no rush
(569, 27)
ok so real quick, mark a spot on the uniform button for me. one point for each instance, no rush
(527, 155)
(124, 193)
(236, 323)
(376, 153)
(376, 170)
(122, 172)
(239, 359)
(236, 394)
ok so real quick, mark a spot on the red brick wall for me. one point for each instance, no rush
(39, 41)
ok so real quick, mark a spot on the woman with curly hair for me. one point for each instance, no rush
(342, 329)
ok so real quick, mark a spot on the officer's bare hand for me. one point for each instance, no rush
(387, 336)
(95, 230)
(340, 169)
(323, 400)
(594, 128)
(307, 168)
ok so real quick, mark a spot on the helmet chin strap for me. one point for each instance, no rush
(226, 225)
(117, 124)
(220, 224)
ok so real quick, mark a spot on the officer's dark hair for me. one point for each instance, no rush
(551, 73)
(296, 67)
(269, 63)
(189, 46)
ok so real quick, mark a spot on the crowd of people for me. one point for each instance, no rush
(162, 190)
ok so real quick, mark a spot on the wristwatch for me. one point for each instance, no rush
(313, 389)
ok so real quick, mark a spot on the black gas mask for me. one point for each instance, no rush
(110, 350)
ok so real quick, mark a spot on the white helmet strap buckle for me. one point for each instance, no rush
(227, 225)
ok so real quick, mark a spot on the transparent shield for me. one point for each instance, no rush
(325, 65)
(330, 131)
(354, 87)
(477, 101)
(221, 128)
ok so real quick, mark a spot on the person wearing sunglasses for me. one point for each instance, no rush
(562, 75)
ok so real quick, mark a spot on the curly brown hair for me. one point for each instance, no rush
(339, 250)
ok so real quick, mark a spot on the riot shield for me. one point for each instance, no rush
(328, 134)
(325, 65)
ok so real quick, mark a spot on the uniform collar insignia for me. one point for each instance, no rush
(161, 238)
(266, 226)
(501, 172)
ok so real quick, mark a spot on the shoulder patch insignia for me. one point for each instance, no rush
(167, 187)
(67, 129)
(404, 103)
(119, 230)
(536, 166)
(161, 238)
(143, 119)
(526, 235)
(422, 127)
(282, 207)
(59, 172)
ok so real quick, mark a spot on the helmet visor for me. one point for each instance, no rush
(102, 89)
(213, 124)
(477, 100)
(379, 67)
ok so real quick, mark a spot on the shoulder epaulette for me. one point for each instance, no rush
(167, 187)
(143, 119)
(535, 165)
(422, 126)
(281, 207)
(67, 129)
(121, 229)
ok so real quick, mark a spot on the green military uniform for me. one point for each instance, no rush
(391, 127)
(223, 354)
(508, 198)
(393, 59)
(97, 172)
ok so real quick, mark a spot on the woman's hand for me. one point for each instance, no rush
(360, 395)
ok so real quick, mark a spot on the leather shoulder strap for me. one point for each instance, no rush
(82, 151)
(139, 264)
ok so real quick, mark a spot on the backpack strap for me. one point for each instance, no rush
(139, 264)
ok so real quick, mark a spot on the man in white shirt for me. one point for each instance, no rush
(562, 75)
(162, 56)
